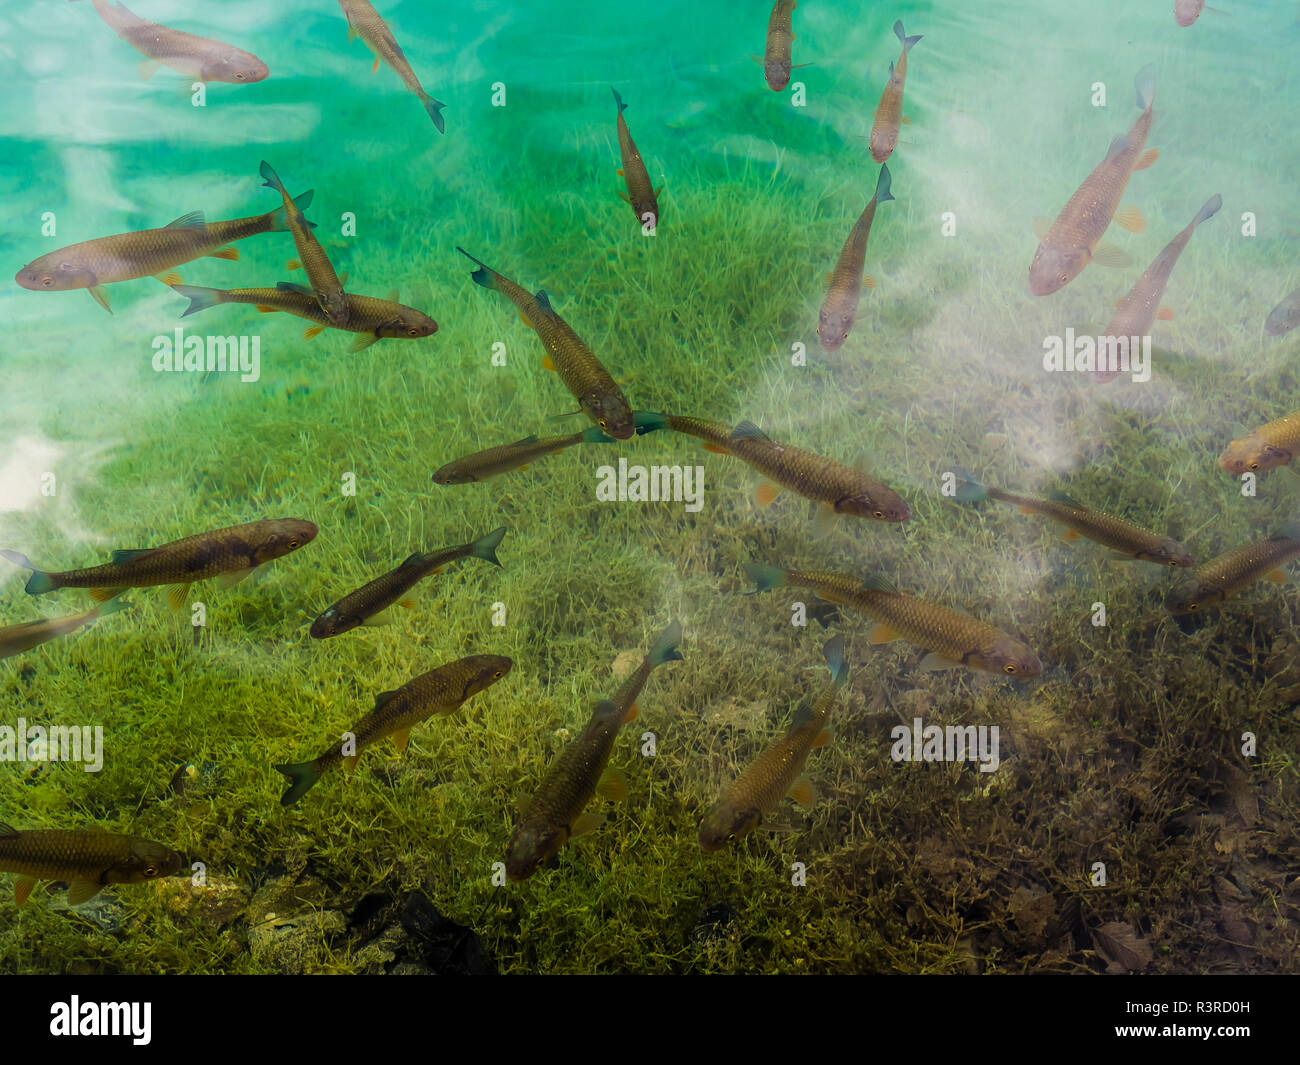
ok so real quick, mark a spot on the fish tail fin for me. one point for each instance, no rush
(665, 648)
(882, 185)
(302, 775)
(279, 218)
(834, 654)
(644, 421)
(765, 577)
(483, 275)
(1210, 209)
(969, 490)
(270, 177)
(434, 107)
(907, 42)
(1145, 83)
(200, 298)
(485, 547)
(39, 583)
(618, 100)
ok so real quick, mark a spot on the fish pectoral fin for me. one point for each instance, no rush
(265, 309)
(103, 595)
(384, 617)
(588, 822)
(82, 891)
(623, 196)
(23, 889)
(374, 68)
(548, 364)
(172, 278)
(408, 603)
(229, 580)
(1148, 157)
(363, 341)
(292, 264)
(1165, 314)
(147, 68)
(350, 762)
(176, 595)
(612, 785)
(401, 738)
(633, 712)
(823, 738)
(1041, 227)
(312, 331)
(934, 663)
(1025, 508)
(803, 792)
(884, 634)
(659, 192)
(619, 172)
(1278, 577)
(824, 519)
(1069, 535)
(101, 297)
(767, 492)
(1110, 255)
(226, 253)
(868, 281)
(1131, 219)
(907, 120)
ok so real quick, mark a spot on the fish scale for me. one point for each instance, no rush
(1230, 572)
(840, 307)
(889, 112)
(1268, 447)
(641, 193)
(88, 858)
(778, 47)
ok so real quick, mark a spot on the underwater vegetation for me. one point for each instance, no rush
(604, 751)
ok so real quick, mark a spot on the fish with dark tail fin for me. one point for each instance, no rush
(14, 639)
(1074, 240)
(589, 382)
(840, 308)
(325, 282)
(1284, 317)
(889, 113)
(776, 772)
(364, 22)
(87, 859)
(370, 600)
(195, 57)
(555, 813)
(232, 553)
(440, 691)
(641, 195)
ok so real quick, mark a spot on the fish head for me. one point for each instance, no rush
(50, 274)
(332, 623)
(883, 142)
(530, 846)
(408, 324)
(1055, 267)
(235, 67)
(833, 327)
(727, 823)
(1187, 11)
(1192, 598)
(611, 413)
(777, 73)
(1008, 657)
(146, 861)
(1169, 553)
(484, 671)
(282, 536)
(1252, 455)
(453, 473)
(882, 506)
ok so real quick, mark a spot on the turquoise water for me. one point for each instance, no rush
(943, 370)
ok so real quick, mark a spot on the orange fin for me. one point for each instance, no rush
(868, 281)
(103, 595)
(376, 66)
(612, 785)
(633, 712)
(548, 364)
(823, 738)
(619, 172)
(172, 278)
(907, 119)
(524, 318)
(409, 602)
(293, 264)
(1131, 219)
(1278, 577)
(226, 253)
(884, 634)
(176, 595)
(1165, 314)
(265, 309)
(717, 449)
(350, 762)
(312, 331)
(803, 792)
(401, 738)
(1148, 157)
(23, 888)
(1025, 509)
(767, 491)
(1069, 534)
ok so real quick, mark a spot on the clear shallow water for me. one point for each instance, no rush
(943, 368)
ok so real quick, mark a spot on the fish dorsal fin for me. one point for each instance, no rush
(289, 286)
(1060, 497)
(861, 463)
(1116, 146)
(544, 302)
(747, 430)
(193, 220)
(392, 295)
(7, 830)
(877, 583)
(526, 440)
(382, 698)
(412, 559)
(127, 554)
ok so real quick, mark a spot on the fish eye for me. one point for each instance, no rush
(412, 332)
(498, 674)
(1009, 668)
(47, 281)
(293, 544)
(731, 837)
(1254, 465)
(150, 870)
(879, 513)
(1192, 606)
(1063, 278)
(603, 423)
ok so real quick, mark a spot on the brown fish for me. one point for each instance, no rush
(195, 57)
(1135, 313)
(776, 53)
(364, 22)
(776, 772)
(599, 397)
(1269, 446)
(643, 198)
(889, 113)
(233, 552)
(1074, 239)
(839, 489)
(147, 252)
(1219, 578)
(14, 639)
(555, 813)
(88, 860)
(371, 319)
(440, 691)
(1284, 317)
(953, 639)
(320, 272)
(840, 308)
(1187, 11)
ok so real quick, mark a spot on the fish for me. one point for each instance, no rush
(86, 859)
(1266, 448)
(233, 553)
(838, 489)
(92, 264)
(776, 772)
(1284, 317)
(776, 52)
(1126, 540)
(440, 691)
(370, 600)
(1219, 578)
(889, 112)
(196, 57)
(641, 195)
(1187, 11)
(555, 813)
(840, 308)
(370, 318)
(1135, 313)
(1074, 240)
(14, 639)
(951, 638)
(598, 396)
(494, 461)
(364, 22)
(324, 281)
